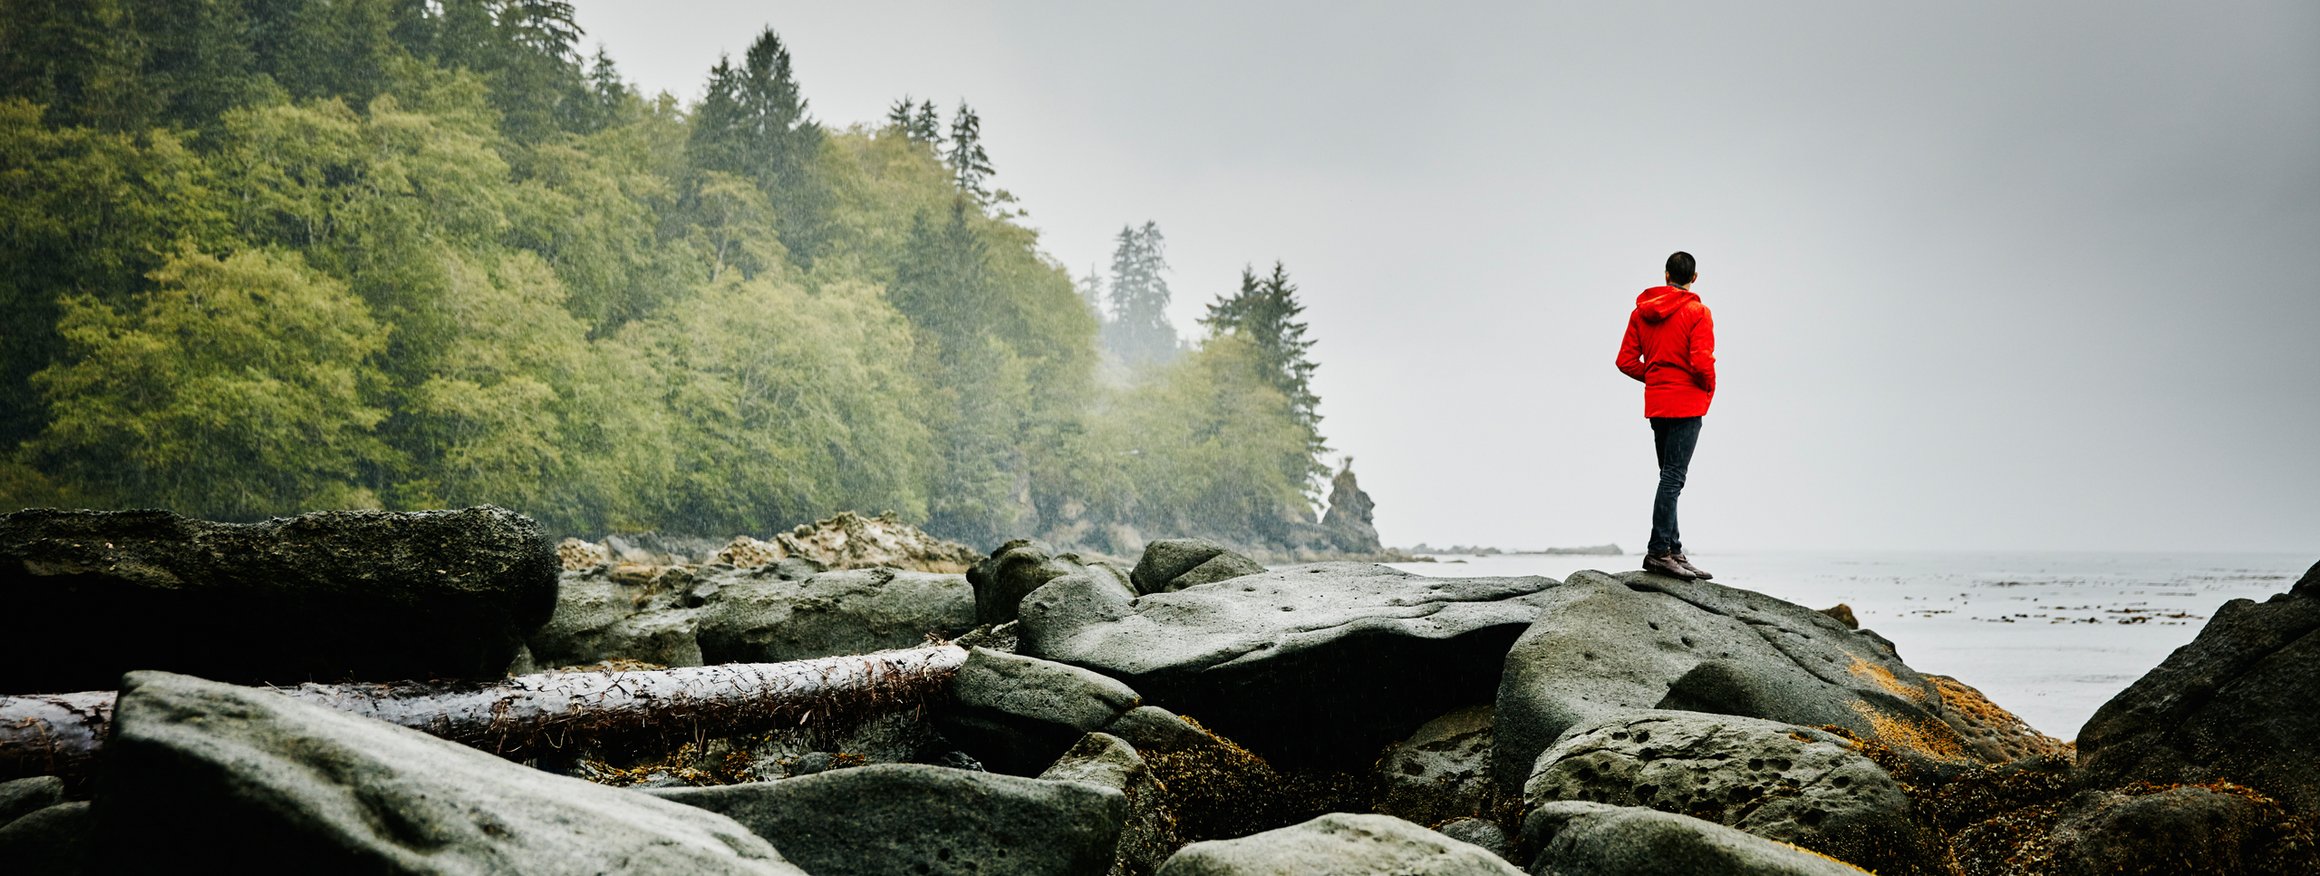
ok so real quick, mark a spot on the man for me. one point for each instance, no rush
(1671, 347)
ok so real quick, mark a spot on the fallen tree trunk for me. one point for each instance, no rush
(63, 734)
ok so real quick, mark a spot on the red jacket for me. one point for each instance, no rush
(1671, 347)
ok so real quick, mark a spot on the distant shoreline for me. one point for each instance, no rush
(1599, 550)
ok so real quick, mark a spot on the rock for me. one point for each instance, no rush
(1016, 714)
(1314, 664)
(1012, 572)
(1482, 834)
(1782, 782)
(744, 552)
(53, 840)
(1605, 646)
(760, 620)
(208, 777)
(2183, 829)
(2236, 704)
(1154, 729)
(24, 795)
(1221, 567)
(366, 595)
(1844, 615)
(1350, 520)
(1597, 839)
(914, 818)
(597, 619)
(574, 555)
(1148, 835)
(852, 541)
(1167, 558)
(1339, 843)
(1442, 771)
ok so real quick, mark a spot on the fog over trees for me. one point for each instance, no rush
(267, 257)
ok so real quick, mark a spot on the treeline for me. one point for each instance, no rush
(265, 256)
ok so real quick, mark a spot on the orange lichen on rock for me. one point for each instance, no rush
(1826, 857)
(1976, 717)
(1883, 677)
(1924, 739)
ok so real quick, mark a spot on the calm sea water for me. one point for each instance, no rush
(2051, 636)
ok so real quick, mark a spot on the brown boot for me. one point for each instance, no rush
(1686, 562)
(1667, 565)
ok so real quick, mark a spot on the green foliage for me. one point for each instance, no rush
(236, 389)
(274, 255)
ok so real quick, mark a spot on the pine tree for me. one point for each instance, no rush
(753, 124)
(1265, 311)
(970, 165)
(900, 115)
(1091, 291)
(1139, 331)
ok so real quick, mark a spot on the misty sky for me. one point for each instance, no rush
(1988, 275)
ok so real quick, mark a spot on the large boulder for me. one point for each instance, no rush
(1016, 714)
(367, 595)
(599, 619)
(914, 818)
(1177, 563)
(2183, 829)
(52, 841)
(1351, 516)
(1605, 646)
(2236, 704)
(1778, 781)
(1149, 833)
(1338, 843)
(208, 777)
(1575, 838)
(1321, 663)
(20, 796)
(1442, 771)
(1018, 567)
(753, 618)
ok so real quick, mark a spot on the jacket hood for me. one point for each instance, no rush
(1658, 303)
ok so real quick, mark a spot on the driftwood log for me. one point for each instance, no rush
(63, 734)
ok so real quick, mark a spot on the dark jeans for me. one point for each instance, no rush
(1674, 438)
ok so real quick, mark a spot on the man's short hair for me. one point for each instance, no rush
(1681, 269)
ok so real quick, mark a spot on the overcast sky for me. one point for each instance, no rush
(1985, 275)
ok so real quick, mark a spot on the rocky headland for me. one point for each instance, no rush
(450, 692)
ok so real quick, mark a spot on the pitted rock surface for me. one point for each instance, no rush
(1606, 646)
(1773, 780)
(599, 619)
(1319, 663)
(1442, 771)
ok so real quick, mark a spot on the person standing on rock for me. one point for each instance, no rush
(1671, 347)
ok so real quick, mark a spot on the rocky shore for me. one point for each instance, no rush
(1196, 711)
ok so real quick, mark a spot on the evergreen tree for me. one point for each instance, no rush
(917, 121)
(1139, 331)
(753, 124)
(1091, 292)
(1264, 311)
(970, 165)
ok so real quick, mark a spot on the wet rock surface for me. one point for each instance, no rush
(340, 595)
(52, 840)
(1149, 834)
(1310, 663)
(1608, 645)
(913, 818)
(1017, 714)
(1779, 781)
(1442, 771)
(1339, 843)
(208, 777)
(1598, 839)
(750, 618)
(2236, 704)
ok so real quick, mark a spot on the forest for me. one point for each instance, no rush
(271, 256)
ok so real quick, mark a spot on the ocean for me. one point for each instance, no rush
(2050, 636)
